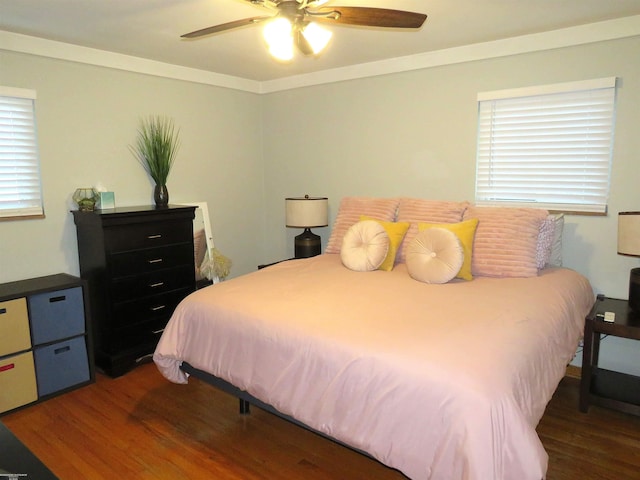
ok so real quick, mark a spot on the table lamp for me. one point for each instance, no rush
(306, 212)
(629, 244)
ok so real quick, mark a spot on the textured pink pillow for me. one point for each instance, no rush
(351, 208)
(415, 210)
(506, 241)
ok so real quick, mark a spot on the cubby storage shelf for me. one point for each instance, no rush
(45, 339)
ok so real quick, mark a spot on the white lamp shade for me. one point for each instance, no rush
(629, 233)
(306, 212)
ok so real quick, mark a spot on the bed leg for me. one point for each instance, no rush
(244, 407)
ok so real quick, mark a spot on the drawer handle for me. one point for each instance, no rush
(144, 357)
(158, 284)
(61, 298)
(157, 331)
(159, 307)
(60, 350)
(9, 366)
(3, 310)
(156, 260)
(153, 237)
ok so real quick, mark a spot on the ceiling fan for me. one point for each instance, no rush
(296, 23)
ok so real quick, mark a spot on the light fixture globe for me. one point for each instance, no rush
(279, 37)
(316, 36)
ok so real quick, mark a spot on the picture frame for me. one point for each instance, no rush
(201, 232)
(107, 200)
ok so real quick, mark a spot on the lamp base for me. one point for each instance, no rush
(307, 244)
(634, 289)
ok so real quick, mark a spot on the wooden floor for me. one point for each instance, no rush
(140, 426)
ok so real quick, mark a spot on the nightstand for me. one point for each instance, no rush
(599, 386)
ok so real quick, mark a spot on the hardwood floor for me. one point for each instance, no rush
(140, 426)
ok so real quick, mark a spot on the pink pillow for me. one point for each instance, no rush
(416, 210)
(506, 241)
(351, 208)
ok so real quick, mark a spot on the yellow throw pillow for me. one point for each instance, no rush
(396, 232)
(466, 232)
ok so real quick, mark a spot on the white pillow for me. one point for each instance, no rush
(364, 246)
(435, 255)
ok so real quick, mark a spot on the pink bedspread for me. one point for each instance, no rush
(438, 381)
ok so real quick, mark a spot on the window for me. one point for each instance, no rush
(549, 146)
(20, 192)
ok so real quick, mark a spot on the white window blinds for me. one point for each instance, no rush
(20, 192)
(549, 146)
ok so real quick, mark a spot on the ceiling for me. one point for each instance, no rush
(151, 29)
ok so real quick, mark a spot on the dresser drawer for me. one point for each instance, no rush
(146, 333)
(56, 315)
(121, 238)
(132, 287)
(14, 327)
(17, 381)
(147, 308)
(151, 260)
(61, 365)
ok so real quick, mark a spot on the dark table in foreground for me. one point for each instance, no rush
(16, 461)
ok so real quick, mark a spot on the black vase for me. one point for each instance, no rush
(161, 195)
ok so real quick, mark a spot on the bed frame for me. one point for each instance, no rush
(246, 400)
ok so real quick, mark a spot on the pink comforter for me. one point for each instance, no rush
(439, 381)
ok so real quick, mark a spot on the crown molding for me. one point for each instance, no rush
(567, 37)
(74, 53)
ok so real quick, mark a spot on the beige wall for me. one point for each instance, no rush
(410, 133)
(87, 116)
(414, 134)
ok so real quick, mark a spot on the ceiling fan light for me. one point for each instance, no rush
(279, 37)
(317, 37)
(282, 51)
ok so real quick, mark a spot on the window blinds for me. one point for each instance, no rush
(20, 191)
(549, 146)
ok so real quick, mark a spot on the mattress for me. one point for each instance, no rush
(438, 381)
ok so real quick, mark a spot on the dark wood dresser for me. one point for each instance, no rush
(139, 264)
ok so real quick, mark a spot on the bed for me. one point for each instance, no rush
(438, 380)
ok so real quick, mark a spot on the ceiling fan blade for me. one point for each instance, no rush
(225, 26)
(369, 17)
(273, 4)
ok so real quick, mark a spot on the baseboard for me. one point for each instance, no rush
(573, 371)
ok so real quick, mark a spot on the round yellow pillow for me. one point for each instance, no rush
(364, 246)
(435, 255)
